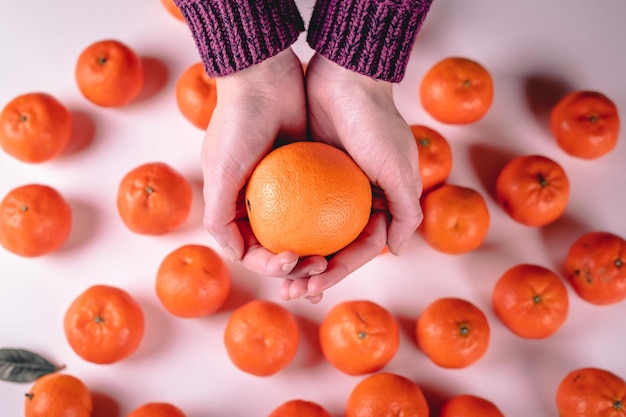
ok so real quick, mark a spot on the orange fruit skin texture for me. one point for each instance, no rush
(595, 266)
(435, 156)
(308, 197)
(157, 409)
(109, 73)
(58, 395)
(466, 405)
(585, 124)
(359, 337)
(531, 301)
(591, 392)
(154, 199)
(533, 190)
(299, 408)
(457, 90)
(456, 219)
(35, 127)
(196, 95)
(452, 332)
(386, 394)
(35, 220)
(170, 6)
(104, 324)
(193, 281)
(261, 337)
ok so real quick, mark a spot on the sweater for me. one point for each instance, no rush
(371, 37)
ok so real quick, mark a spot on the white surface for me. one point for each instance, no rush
(561, 44)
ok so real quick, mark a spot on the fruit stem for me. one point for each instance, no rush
(593, 118)
(424, 142)
(619, 263)
(537, 299)
(542, 180)
(24, 208)
(98, 319)
(467, 83)
(102, 60)
(149, 190)
(23, 118)
(362, 334)
(617, 404)
(464, 330)
(29, 395)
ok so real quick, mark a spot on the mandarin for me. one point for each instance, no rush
(299, 408)
(435, 156)
(156, 409)
(466, 405)
(196, 95)
(591, 392)
(172, 9)
(58, 395)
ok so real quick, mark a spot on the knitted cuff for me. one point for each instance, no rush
(371, 37)
(233, 35)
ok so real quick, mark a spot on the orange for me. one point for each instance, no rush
(435, 156)
(533, 190)
(58, 395)
(386, 394)
(359, 336)
(154, 199)
(156, 409)
(308, 197)
(193, 281)
(35, 127)
(196, 95)
(109, 73)
(261, 337)
(595, 266)
(452, 332)
(457, 90)
(104, 324)
(591, 392)
(35, 220)
(172, 9)
(456, 219)
(466, 405)
(299, 408)
(585, 124)
(531, 301)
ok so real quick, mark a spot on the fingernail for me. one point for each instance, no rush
(288, 266)
(316, 271)
(230, 252)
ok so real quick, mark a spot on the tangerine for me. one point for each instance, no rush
(156, 409)
(591, 392)
(435, 156)
(466, 405)
(172, 9)
(299, 408)
(196, 95)
(58, 395)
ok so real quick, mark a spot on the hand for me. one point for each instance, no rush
(255, 108)
(357, 114)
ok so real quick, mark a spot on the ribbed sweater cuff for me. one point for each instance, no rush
(233, 35)
(371, 37)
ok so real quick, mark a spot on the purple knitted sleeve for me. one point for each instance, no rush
(232, 35)
(371, 37)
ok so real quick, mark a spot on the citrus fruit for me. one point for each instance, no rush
(308, 197)
(172, 9)
(435, 156)
(193, 281)
(452, 332)
(35, 127)
(35, 220)
(456, 219)
(154, 199)
(109, 73)
(104, 324)
(58, 395)
(261, 337)
(591, 392)
(156, 409)
(531, 301)
(359, 336)
(533, 190)
(595, 266)
(585, 124)
(196, 95)
(457, 90)
(466, 405)
(299, 408)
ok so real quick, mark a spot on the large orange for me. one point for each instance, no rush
(35, 127)
(196, 95)
(104, 324)
(386, 394)
(154, 199)
(453, 332)
(466, 405)
(35, 220)
(299, 408)
(457, 90)
(261, 337)
(533, 190)
(359, 336)
(595, 266)
(109, 73)
(156, 409)
(531, 301)
(591, 392)
(58, 395)
(308, 197)
(435, 156)
(456, 219)
(172, 9)
(585, 124)
(193, 281)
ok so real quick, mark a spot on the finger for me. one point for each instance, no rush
(311, 265)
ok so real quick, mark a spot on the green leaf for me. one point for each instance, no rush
(20, 365)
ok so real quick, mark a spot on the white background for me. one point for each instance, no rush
(536, 51)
